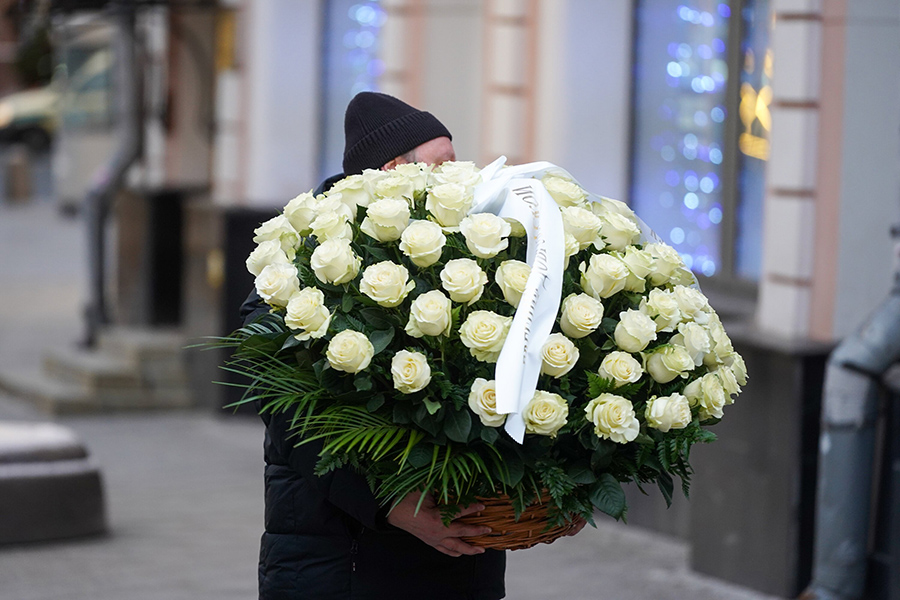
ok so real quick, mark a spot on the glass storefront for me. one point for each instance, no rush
(681, 122)
(350, 65)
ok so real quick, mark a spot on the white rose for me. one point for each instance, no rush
(605, 206)
(333, 261)
(306, 311)
(572, 247)
(416, 173)
(693, 304)
(581, 315)
(559, 354)
(429, 315)
(352, 190)
(511, 277)
(278, 228)
(613, 418)
(620, 367)
(410, 371)
(721, 343)
(350, 351)
(618, 232)
(394, 185)
(464, 173)
(662, 308)
(738, 367)
(267, 253)
(463, 279)
(666, 263)
(604, 276)
(708, 393)
(276, 283)
(300, 212)
(370, 179)
(423, 242)
(331, 225)
(386, 283)
(728, 381)
(483, 333)
(639, 263)
(564, 192)
(485, 234)
(483, 402)
(386, 219)
(448, 203)
(545, 413)
(334, 203)
(634, 331)
(668, 362)
(668, 412)
(583, 225)
(695, 339)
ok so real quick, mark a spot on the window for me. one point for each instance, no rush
(350, 65)
(700, 137)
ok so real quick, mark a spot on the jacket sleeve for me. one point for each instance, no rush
(344, 488)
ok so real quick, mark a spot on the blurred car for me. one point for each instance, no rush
(33, 116)
(30, 117)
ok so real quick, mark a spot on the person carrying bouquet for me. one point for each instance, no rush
(328, 537)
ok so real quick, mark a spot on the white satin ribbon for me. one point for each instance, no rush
(514, 193)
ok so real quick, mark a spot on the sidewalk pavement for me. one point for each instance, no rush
(184, 488)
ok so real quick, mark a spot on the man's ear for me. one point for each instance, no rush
(400, 160)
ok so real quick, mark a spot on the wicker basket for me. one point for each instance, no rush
(508, 534)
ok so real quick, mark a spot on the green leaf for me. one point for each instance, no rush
(328, 462)
(362, 382)
(608, 345)
(420, 456)
(608, 496)
(381, 338)
(457, 425)
(431, 405)
(375, 402)
(608, 325)
(402, 414)
(376, 318)
(347, 303)
(644, 439)
(581, 473)
(291, 342)
(666, 486)
(377, 253)
(599, 385)
(515, 470)
(489, 435)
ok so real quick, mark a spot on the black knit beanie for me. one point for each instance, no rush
(379, 128)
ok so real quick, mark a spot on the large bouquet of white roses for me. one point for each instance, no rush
(392, 299)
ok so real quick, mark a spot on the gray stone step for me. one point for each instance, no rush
(49, 395)
(56, 397)
(158, 353)
(92, 370)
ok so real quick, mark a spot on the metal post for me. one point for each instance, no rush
(110, 177)
(846, 451)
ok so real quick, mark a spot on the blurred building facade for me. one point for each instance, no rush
(758, 137)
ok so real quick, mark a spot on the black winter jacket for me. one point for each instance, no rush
(326, 538)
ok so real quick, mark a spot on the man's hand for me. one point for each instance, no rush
(428, 527)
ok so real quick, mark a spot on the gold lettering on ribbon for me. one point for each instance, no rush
(540, 266)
